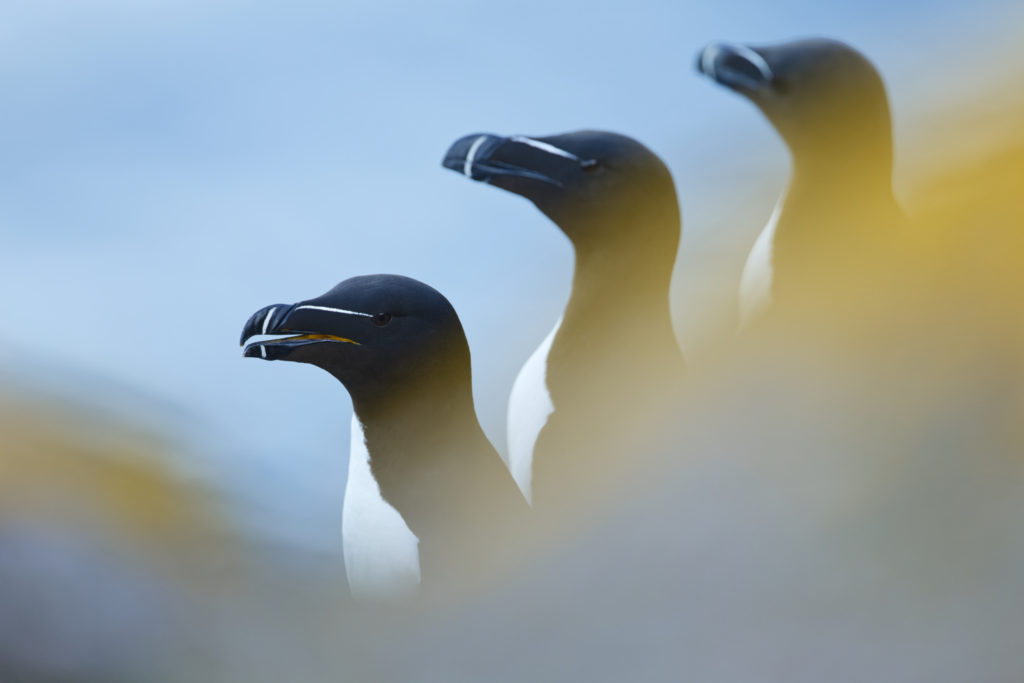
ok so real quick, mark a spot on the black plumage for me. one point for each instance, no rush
(614, 362)
(399, 348)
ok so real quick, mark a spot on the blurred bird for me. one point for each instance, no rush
(611, 362)
(829, 509)
(398, 347)
(836, 231)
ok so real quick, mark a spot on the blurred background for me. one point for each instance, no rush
(168, 167)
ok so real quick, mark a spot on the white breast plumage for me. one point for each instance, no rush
(756, 282)
(529, 407)
(381, 553)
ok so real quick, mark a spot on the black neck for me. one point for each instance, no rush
(837, 214)
(620, 292)
(416, 427)
(434, 464)
(839, 182)
(616, 333)
(844, 160)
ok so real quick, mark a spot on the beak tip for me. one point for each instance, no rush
(255, 351)
(463, 154)
(267, 320)
(705, 62)
(453, 163)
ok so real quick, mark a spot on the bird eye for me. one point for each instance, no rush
(588, 164)
(381, 319)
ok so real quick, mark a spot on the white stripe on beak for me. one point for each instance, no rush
(263, 350)
(467, 168)
(543, 146)
(334, 310)
(266, 320)
(755, 59)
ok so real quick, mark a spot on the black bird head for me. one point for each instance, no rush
(593, 184)
(378, 334)
(820, 94)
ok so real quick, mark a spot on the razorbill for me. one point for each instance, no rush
(837, 222)
(420, 467)
(612, 358)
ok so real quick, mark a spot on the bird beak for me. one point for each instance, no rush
(737, 67)
(308, 323)
(483, 157)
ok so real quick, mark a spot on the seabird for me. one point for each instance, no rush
(837, 222)
(420, 467)
(611, 360)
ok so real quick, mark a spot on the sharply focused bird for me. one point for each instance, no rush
(581, 402)
(837, 228)
(420, 467)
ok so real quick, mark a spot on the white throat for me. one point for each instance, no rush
(756, 282)
(381, 553)
(529, 407)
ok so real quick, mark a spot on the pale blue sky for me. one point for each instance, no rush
(168, 167)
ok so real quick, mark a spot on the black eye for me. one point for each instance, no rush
(589, 164)
(381, 319)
